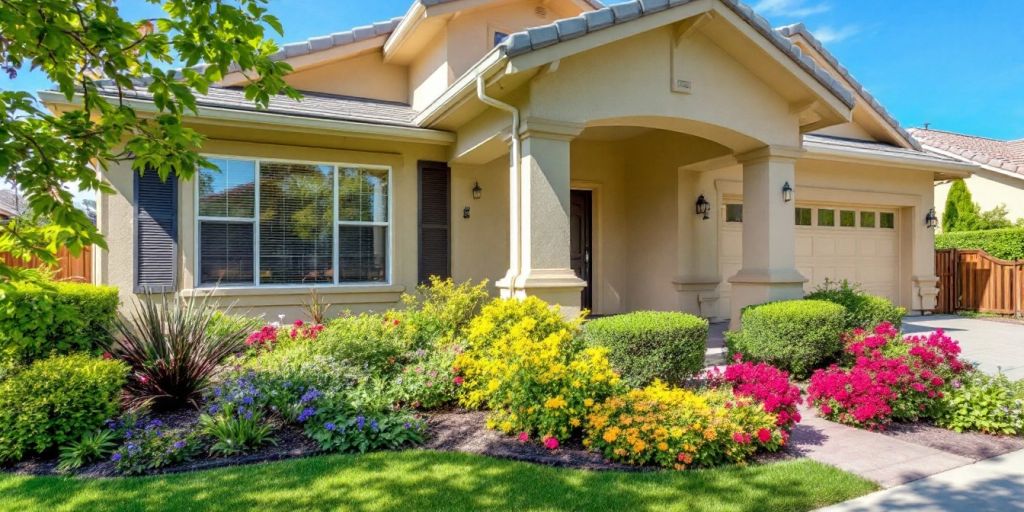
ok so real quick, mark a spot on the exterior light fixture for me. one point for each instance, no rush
(703, 207)
(787, 192)
(931, 220)
(477, 191)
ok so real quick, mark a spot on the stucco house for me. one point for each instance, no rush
(655, 154)
(999, 179)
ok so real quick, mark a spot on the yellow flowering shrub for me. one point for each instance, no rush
(525, 364)
(678, 428)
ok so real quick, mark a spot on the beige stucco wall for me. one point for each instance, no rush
(480, 244)
(115, 266)
(429, 74)
(365, 76)
(989, 189)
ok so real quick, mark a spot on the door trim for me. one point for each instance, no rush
(592, 264)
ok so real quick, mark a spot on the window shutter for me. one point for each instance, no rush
(156, 232)
(434, 221)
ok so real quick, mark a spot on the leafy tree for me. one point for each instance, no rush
(76, 43)
(996, 218)
(961, 213)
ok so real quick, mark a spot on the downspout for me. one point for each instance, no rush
(515, 157)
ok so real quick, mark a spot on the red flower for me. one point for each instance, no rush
(551, 443)
(298, 323)
(108, 355)
(458, 381)
(524, 437)
(764, 435)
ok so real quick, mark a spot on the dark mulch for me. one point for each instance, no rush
(973, 445)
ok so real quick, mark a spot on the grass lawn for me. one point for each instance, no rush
(425, 480)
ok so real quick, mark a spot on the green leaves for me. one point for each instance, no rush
(77, 44)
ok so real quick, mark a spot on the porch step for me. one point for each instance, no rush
(714, 356)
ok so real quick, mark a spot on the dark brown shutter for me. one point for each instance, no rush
(434, 221)
(156, 232)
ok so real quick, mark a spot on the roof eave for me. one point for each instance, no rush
(221, 116)
(986, 167)
(820, 151)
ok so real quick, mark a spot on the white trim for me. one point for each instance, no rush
(335, 257)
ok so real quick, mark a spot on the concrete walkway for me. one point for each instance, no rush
(992, 344)
(995, 484)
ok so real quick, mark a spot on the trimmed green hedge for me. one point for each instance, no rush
(36, 322)
(55, 401)
(1007, 244)
(862, 309)
(648, 345)
(796, 335)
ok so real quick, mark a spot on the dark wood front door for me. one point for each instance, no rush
(580, 235)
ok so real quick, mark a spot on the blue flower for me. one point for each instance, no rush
(406, 425)
(247, 400)
(309, 396)
(217, 392)
(248, 415)
(115, 457)
(214, 409)
(360, 421)
(306, 413)
(373, 426)
(330, 426)
(155, 424)
(179, 445)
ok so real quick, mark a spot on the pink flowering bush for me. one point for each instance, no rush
(891, 378)
(271, 334)
(764, 383)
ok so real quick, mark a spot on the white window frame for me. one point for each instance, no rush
(389, 224)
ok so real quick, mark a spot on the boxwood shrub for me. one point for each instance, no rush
(38, 321)
(648, 345)
(862, 309)
(796, 335)
(56, 400)
(1007, 244)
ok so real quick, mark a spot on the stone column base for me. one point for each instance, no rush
(750, 288)
(558, 287)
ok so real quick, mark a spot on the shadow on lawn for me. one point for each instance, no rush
(423, 480)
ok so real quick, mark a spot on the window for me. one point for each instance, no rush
(826, 217)
(803, 216)
(867, 219)
(847, 218)
(284, 223)
(734, 213)
(887, 220)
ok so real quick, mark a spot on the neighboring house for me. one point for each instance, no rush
(556, 148)
(11, 204)
(1000, 177)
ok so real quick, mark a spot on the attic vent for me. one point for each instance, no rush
(541, 11)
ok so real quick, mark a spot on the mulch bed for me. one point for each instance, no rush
(973, 445)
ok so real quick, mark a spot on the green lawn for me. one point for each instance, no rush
(424, 480)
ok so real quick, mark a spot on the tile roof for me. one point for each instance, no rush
(801, 29)
(313, 105)
(571, 28)
(1005, 155)
(875, 147)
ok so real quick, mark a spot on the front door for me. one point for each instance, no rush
(580, 236)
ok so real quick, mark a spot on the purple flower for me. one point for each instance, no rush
(154, 424)
(360, 421)
(309, 396)
(373, 426)
(330, 426)
(248, 415)
(406, 425)
(115, 457)
(179, 445)
(217, 392)
(214, 409)
(306, 413)
(247, 400)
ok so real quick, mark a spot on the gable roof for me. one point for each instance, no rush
(1005, 155)
(801, 30)
(566, 29)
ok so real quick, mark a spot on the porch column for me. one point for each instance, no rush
(543, 219)
(769, 231)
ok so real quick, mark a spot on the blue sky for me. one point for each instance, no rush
(957, 65)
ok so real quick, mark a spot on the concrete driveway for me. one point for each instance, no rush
(994, 345)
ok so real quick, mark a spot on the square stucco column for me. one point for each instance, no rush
(543, 219)
(769, 231)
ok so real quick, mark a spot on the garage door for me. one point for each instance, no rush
(859, 244)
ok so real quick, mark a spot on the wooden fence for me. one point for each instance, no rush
(71, 268)
(972, 280)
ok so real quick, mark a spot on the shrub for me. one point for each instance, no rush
(862, 310)
(56, 400)
(149, 446)
(337, 426)
(374, 341)
(441, 310)
(427, 381)
(649, 345)
(524, 363)
(767, 384)
(677, 428)
(1007, 244)
(60, 318)
(270, 335)
(797, 335)
(993, 405)
(171, 349)
(892, 378)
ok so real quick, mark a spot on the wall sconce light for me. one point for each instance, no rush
(477, 191)
(931, 221)
(703, 207)
(787, 192)
(465, 213)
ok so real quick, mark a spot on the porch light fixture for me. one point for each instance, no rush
(703, 207)
(787, 192)
(477, 191)
(931, 220)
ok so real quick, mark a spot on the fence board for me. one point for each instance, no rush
(70, 267)
(973, 280)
